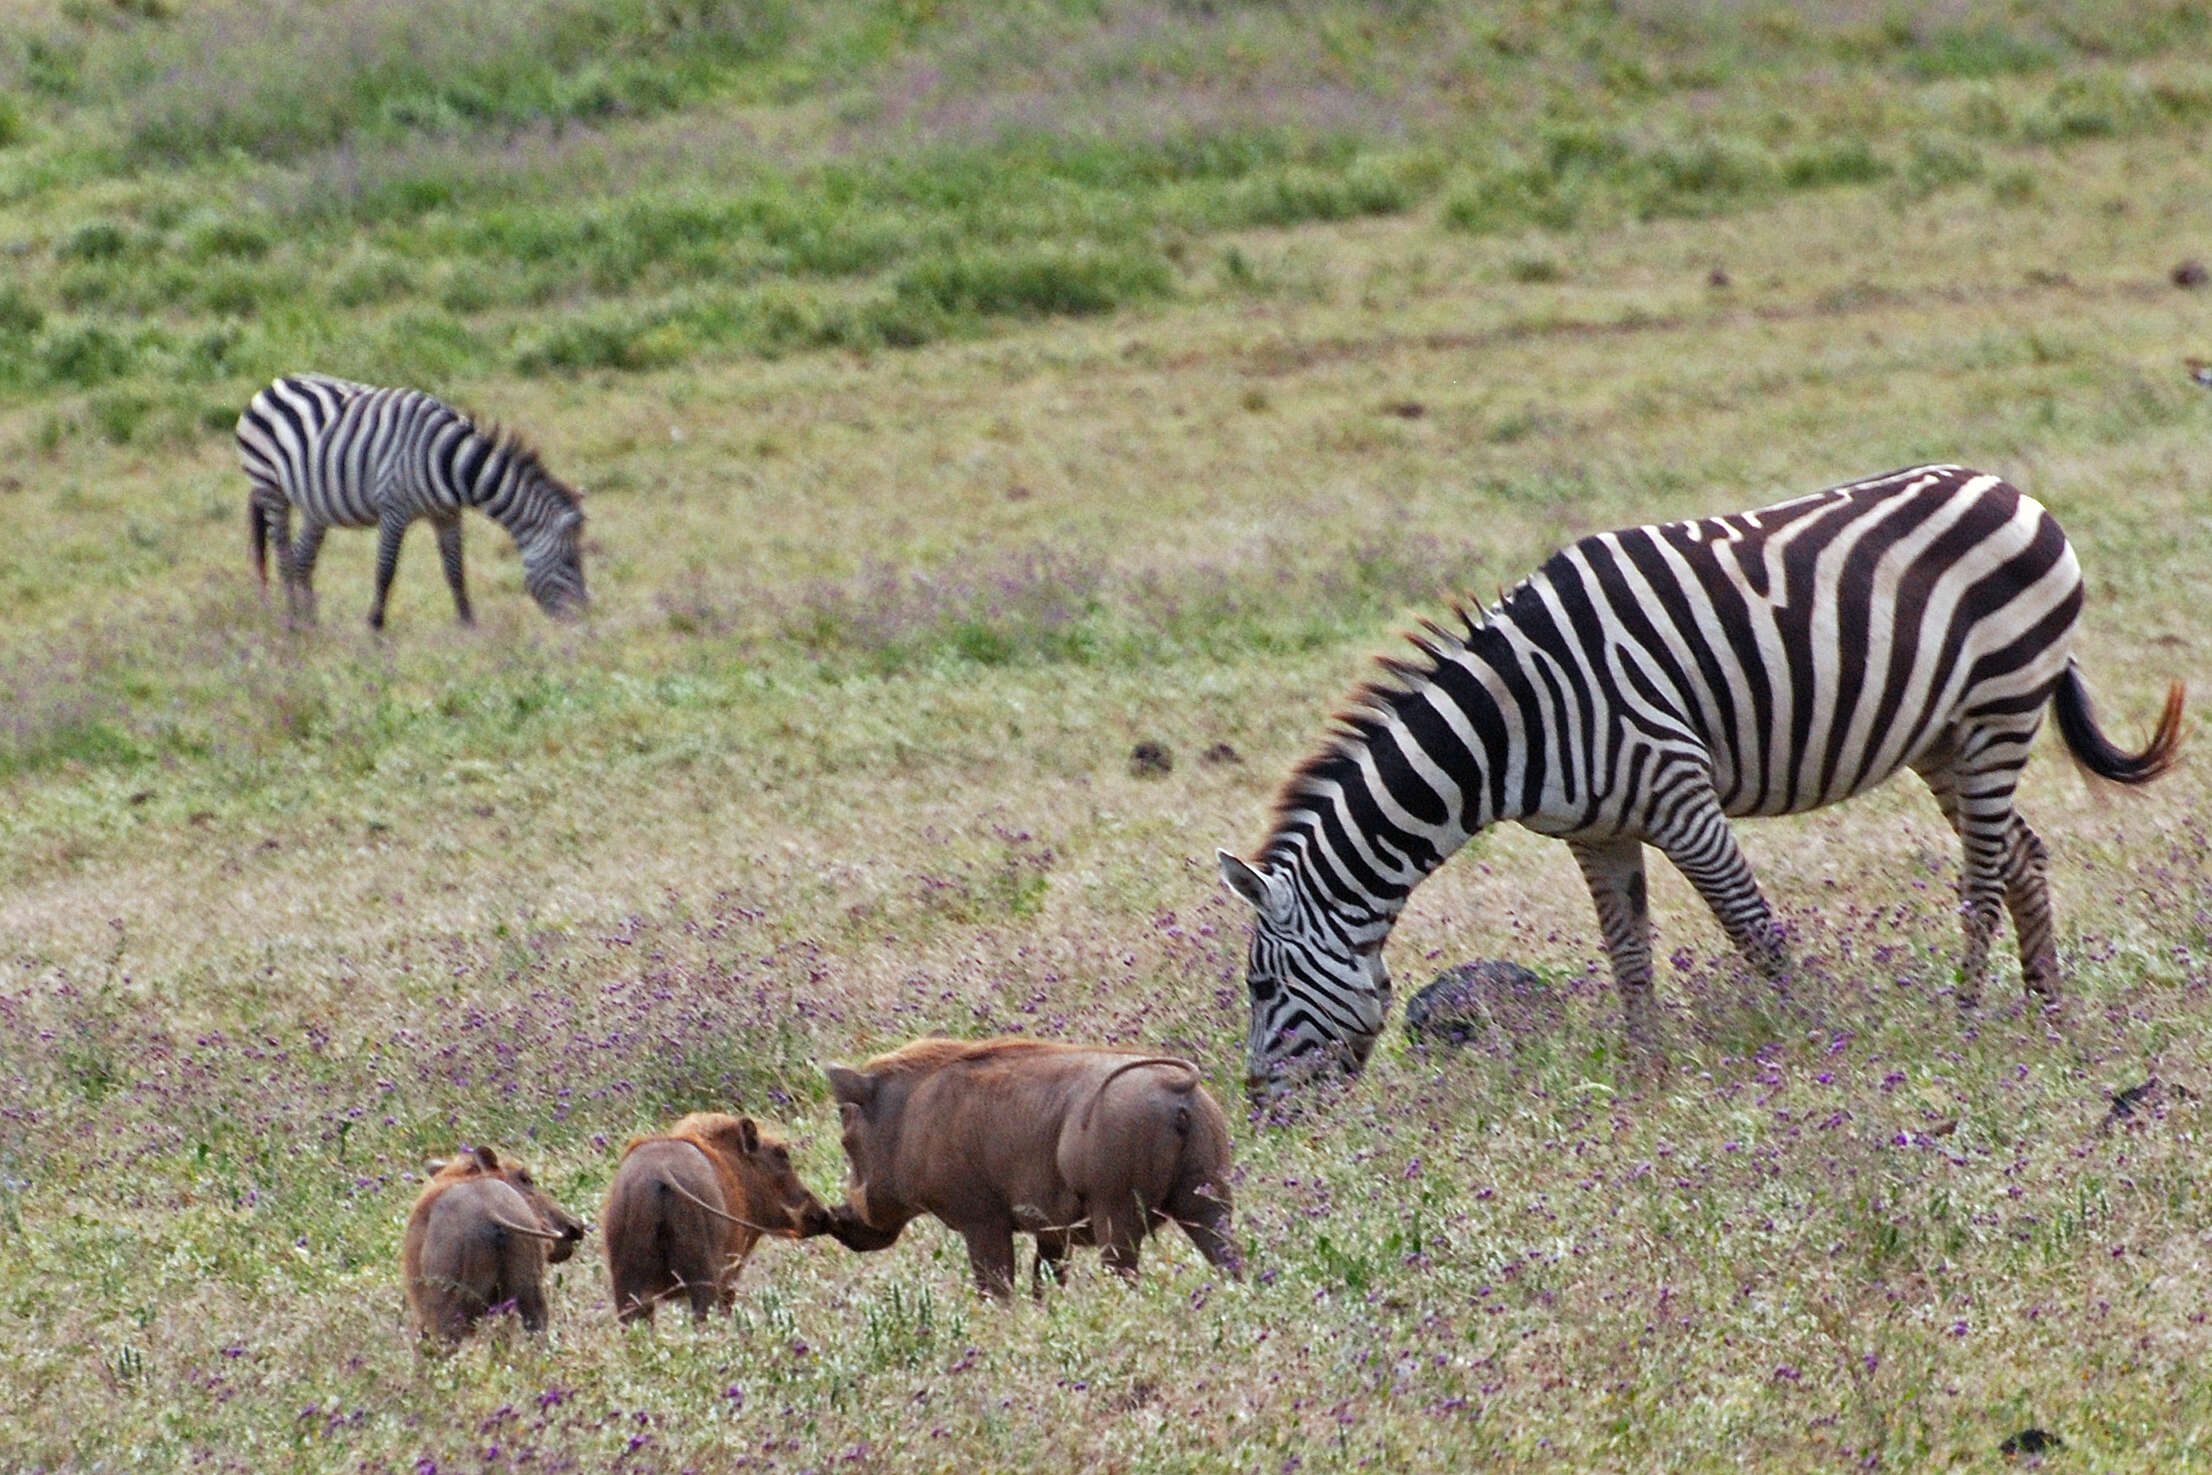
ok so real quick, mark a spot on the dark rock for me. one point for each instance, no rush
(1406, 409)
(1150, 760)
(2031, 1442)
(2125, 1102)
(1220, 753)
(1466, 1004)
(2190, 275)
(2137, 1103)
(1718, 279)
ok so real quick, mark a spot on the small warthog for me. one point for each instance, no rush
(481, 1236)
(1075, 1146)
(689, 1204)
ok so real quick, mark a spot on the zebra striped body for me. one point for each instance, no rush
(353, 455)
(1645, 685)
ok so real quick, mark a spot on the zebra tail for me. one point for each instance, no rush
(2077, 723)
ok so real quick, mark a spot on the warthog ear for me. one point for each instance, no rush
(748, 1135)
(851, 1087)
(487, 1159)
(1263, 892)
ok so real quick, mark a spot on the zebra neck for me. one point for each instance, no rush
(503, 484)
(1415, 769)
(1361, 892)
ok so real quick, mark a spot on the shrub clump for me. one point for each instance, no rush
(1034, 283)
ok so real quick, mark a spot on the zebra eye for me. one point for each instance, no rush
(1263, 989)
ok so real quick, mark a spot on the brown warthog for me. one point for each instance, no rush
(481, 1235)
(688, 1205)
(1075, 1146)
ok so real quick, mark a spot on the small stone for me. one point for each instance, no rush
(1406, 409)
(2190, 275)
(2136, 1102)
(2125, 1102)
(1718, 279)
(2200, 371)
(1150, 760)
(1464, 1004)
(2030, 1442)
(1220, 753)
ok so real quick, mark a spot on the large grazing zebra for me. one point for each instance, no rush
(353, 455)
(1644, 685)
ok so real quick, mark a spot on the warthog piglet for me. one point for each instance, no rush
(689, 1204)
(481, 1236)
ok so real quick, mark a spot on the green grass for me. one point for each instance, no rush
(965, 395)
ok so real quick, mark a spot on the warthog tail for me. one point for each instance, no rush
(682, 1192)
(514, 1228)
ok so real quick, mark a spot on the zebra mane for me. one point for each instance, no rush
(523, 452)
(1370, 705)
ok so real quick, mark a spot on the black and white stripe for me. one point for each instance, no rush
(1645, 685)
(353, 455)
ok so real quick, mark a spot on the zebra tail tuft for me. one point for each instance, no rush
(257, 538)
(2077, 723)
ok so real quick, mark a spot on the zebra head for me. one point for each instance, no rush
(553, 564)
(1320, 992)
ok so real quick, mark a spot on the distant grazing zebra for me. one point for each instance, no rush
(1644, 685)
(352, 455)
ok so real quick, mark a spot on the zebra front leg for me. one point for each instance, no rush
(1703, 848)
(449, 554)
(1614, 871)
(390, 529)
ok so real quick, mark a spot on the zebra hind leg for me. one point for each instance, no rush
(1614, 871)
(2020, 877)
(299, 572)
(2028, 898)
(390, 529)
(269, 520)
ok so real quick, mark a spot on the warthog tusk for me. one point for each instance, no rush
(518, 1229)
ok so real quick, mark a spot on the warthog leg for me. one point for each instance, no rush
(991, 1256)
(1052, 1259)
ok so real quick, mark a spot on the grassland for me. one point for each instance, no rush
(966, 394)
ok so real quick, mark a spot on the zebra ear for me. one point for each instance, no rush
(1264, 893)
